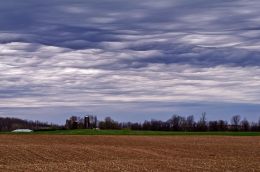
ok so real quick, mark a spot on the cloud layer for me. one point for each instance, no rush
(89, 53)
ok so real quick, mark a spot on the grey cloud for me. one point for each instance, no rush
(54, 79)
(184, 26)
(64, 53)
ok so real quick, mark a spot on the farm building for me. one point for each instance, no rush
(87, 122)
(22, 131)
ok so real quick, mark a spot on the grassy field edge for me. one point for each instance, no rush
(137, 132)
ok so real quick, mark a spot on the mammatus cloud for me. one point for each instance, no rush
(84, 53)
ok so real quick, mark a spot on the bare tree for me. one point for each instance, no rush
(213, 126)
(190, 124)
(202, 124)
(177, 123)
(109, 123)
(258, 125)
(222, 125)
(245, 126)
(235, 122)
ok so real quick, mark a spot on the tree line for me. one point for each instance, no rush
(180, 123)
(9, 124)
(175, 123)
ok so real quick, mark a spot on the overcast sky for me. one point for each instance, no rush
(129, 59)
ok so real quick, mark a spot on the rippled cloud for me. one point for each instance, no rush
(89, 53)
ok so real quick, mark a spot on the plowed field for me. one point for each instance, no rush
(128, 153)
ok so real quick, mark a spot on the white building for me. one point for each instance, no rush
(22, 131)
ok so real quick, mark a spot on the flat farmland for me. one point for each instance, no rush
(128, 153)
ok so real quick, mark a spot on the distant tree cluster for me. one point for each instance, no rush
(109, 123)
(9, 124)
(180, 123)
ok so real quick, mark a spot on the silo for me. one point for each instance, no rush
(87, 122)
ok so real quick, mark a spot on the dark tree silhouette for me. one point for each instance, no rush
(202, 124)
(177, 123)
(190, 123)
(245, 125)
(109, 123)
(235, 122)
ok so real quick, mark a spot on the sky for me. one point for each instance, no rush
(131, 60)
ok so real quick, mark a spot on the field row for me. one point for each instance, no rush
(124, 153)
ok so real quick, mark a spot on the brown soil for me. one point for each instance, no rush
(128, 153)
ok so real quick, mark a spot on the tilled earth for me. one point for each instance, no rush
(128, 153)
